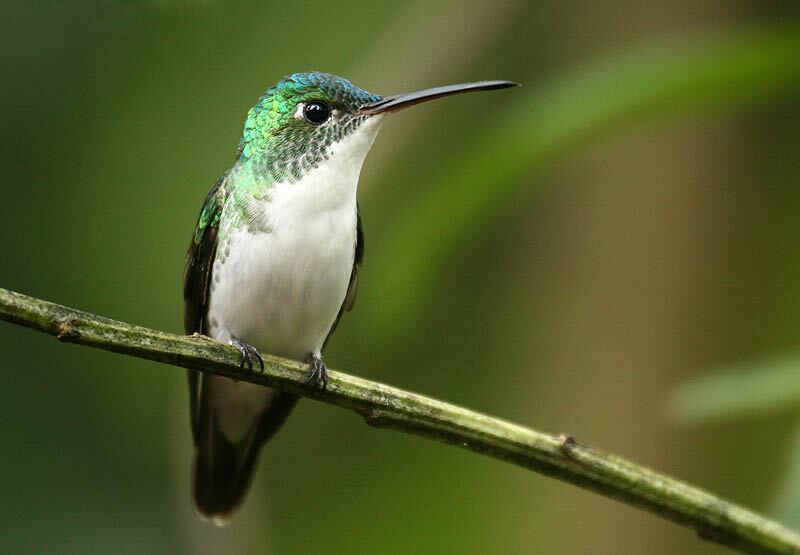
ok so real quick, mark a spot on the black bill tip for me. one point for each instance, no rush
(399, 101)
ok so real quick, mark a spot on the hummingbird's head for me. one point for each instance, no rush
(296, 123)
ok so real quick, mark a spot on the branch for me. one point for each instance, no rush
(383, 406)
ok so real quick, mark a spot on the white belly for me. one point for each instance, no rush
(282, 290)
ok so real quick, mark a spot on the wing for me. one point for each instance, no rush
(197, 277)
(350, 297)
(222, 470)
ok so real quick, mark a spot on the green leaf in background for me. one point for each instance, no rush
(551, 121)
(787, 502)
(746, 389)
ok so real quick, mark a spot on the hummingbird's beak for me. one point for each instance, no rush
(400, 101)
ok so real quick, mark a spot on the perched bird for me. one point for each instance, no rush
(273, 262)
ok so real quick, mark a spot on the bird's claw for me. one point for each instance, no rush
(248, 354)
(318, 373)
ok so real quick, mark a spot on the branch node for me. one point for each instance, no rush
(567, 444)
(67, 329)
(371, 417)
(375, 417)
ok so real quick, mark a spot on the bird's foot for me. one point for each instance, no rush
(248, 355)
(318, 372)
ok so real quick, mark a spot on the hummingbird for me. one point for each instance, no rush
(274, 261)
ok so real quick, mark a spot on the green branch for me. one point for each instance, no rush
(388, 407)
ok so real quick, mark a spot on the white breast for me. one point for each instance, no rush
(281, 290)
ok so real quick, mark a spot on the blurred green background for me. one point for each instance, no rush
(610, 251)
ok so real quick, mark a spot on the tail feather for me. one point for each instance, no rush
(223, 470)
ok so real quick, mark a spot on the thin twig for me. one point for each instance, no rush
(383, 406)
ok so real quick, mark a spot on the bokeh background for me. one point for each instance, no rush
(610, 251)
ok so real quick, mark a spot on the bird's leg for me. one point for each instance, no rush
(318, 372)
(249, 354)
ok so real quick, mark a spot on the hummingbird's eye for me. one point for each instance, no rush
(316, 112)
